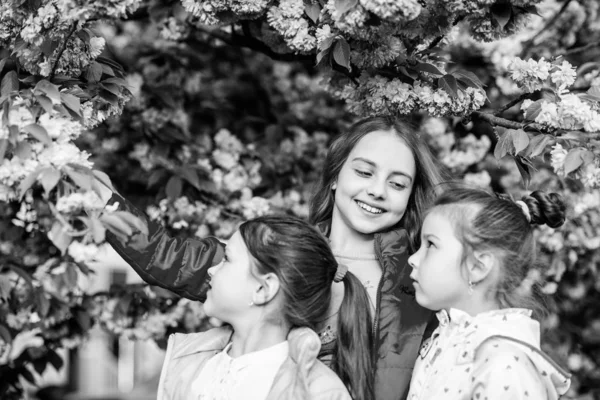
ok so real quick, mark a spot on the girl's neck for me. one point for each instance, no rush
(344, 239)
(256, 337)
(478, 304)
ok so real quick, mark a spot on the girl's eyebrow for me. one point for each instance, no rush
(374, 165)
(430, 236)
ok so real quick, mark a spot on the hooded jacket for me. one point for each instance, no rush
(300, 377)
(400, 323)
(494, 355)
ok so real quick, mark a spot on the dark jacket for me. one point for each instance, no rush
(181, 266)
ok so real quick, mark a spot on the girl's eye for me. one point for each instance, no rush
(225, 258)
(429, 244)
(398, 186)
(362, 173)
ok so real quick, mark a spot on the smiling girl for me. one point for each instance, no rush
(272, 287)
(377, 180)
(476, 251)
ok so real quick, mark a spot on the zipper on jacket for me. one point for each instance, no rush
(377, 302)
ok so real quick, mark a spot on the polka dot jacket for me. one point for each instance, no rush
(494, 355)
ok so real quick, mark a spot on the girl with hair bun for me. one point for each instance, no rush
(476, 250)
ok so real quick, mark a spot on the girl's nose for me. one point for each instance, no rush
(376, 189)
(412, 261)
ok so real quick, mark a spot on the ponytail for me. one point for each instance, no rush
(352, 358)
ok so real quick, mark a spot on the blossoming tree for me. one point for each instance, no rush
(208, 112)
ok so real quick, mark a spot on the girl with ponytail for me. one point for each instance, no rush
(272, 288)
(475, 255)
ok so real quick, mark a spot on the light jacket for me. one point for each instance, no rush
(301, 377)
(494, 355)
(400, 323)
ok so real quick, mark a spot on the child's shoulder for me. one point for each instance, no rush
(323, 383)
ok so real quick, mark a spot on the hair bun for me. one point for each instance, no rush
(546, 208)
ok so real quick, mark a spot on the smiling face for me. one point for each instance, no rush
(374, 185)
(232, 283)
(438, 272)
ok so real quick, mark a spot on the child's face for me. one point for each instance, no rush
(439, 280)
(232, 283)
(374, 184)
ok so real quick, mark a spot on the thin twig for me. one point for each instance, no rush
(551, 22)
(62, 49)
(512, 103)
(576, 50)
(438, 39)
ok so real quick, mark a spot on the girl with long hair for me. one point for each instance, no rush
(272, 287)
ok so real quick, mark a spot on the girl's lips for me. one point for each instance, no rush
(373, 210)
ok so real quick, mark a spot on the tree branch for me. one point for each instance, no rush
(62, 49)
(513, 102)
(581, 49)
(551, 22)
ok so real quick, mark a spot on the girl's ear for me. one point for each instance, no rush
(482, 266)
(268, 289)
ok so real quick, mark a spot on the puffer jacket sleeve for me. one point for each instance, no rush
(179, 265)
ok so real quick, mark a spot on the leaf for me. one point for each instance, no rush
(49, 89)
(81, 179)
(534, 110)
(45, 102)
(72, 102)
(156, 177)
(341, 53)
(106, 70)
(501, 13)
(93, 72)
(537, 145)
(38, 132)
(111, 87)
(42, 303)
(23, 150)
(84, 320)
(39, 365)
(5, 287)
(49, 177)
(70, 276)
(5, 334)
(102, 177)
(28, 182)
(56, 360)
(448, 84)
(191, 176)
(312, 10)
(323, 54)
(429, 68)
(344, 5)
(573, 160)
(174, 187)
(504, 145)
(327, 43)
(525, 169)
(520, 140)
(25, 373)
(59, 237)
(98, 230)
(408, 72)
(9, 84)
(3, 147)
(468, 76)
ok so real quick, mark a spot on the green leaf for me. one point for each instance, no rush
(9, 84)
(534, 110)
(135, 222)
(70, 276)
(429, 68)
(106, 70)
(3, 147)
(573, 160)
(468, 77)
(23, 150)
(93, 72)
(38, 132)
(312, 10)
(28, 182)
(341, 53)
(84, 320)
(526, 169)
(42, 304)
(54, 359)
(72, 102)
(5, 287)
(520, 140)
(45, 102)
(324, 55)
(537, 145)
(49, 89)
(327, 43)
(5, 334)
(448, 84)
(102, 177)
(59, 237)
(501, 12)
(345, 5)
(174, 187)
(504, 145)
(81, 179)
(111, 87)
(49, 177)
